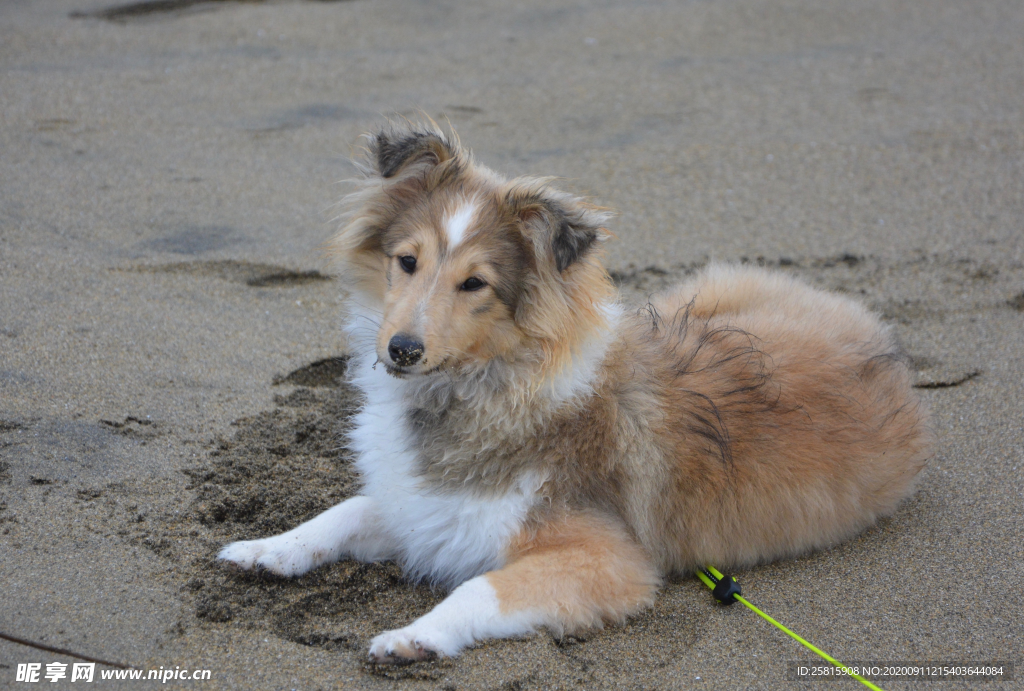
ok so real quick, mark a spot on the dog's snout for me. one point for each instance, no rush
(405, 350)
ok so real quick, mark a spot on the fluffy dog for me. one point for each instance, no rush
(552, 455)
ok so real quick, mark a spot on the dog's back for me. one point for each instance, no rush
(788, 418)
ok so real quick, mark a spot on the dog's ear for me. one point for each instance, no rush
(394, 151)
(577, 232)
(401, 164)
(565, 227)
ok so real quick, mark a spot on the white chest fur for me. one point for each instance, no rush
(445, 537)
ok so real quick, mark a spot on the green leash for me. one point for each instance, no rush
(726, 590)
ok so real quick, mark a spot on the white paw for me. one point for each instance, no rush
(411, 644)
(286, 557)
(243, 553)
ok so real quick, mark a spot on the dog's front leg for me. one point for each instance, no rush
(350, 529)
(576, 573)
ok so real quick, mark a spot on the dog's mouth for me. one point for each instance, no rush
(396, 372)
(403, 372)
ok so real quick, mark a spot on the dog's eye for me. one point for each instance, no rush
(472, 284)
(408, 264)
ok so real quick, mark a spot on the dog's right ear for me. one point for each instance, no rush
(401, 165)
(396, 153)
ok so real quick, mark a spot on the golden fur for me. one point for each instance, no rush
(738, 418)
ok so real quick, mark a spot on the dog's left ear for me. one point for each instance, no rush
(564, 226)
(578, 231)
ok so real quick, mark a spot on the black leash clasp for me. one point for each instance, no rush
(726, 588)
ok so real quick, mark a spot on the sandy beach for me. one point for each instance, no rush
(172, 367)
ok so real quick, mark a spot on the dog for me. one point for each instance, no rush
(551, 455)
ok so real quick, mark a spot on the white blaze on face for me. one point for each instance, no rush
(458, 223)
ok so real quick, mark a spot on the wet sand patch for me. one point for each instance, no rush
(256, 275)
(157, 8)
(327, 372)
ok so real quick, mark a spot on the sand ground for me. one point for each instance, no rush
(166, 179)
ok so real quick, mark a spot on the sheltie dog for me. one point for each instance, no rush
(552, 455)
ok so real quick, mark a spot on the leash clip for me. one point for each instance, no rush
(723, 588)
(726, 590)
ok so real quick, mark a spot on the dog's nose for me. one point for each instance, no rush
(404, 350)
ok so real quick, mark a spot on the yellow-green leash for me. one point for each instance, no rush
(726, 590)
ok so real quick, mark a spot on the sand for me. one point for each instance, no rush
(169, 343)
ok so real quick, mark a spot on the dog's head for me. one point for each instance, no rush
(460, 266)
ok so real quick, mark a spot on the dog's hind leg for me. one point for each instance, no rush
(350, 529)
(576, 573)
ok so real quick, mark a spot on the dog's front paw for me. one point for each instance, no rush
(411, 644)
(284, 558)
(243, 553)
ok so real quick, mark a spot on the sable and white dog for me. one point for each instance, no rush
(553, 455)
